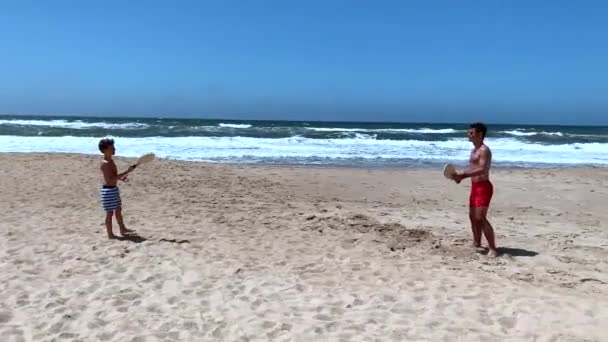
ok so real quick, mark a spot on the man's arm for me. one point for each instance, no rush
(482, 165)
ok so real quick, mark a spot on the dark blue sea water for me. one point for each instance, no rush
(304, 142)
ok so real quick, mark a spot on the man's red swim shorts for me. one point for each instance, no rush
(481, 193)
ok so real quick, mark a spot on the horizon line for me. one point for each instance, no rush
(179, 117)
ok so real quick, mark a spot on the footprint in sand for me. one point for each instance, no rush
(12, 334)
(5, 316)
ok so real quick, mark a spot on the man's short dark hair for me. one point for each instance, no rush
(479, 127)
(105, 143)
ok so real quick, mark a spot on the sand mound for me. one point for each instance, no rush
(395, 235)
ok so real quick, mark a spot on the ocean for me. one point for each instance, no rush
(306, 142)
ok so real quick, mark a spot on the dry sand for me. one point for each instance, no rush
(259, 253)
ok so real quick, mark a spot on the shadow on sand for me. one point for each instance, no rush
(136, 238)
(516, 252)
(174, 241)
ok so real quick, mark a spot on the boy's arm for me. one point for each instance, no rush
(121, 176)
(110, 173)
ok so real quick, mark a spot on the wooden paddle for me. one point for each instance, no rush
(449, 171)
(146, 158)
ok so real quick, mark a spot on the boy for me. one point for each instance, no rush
(110, 195)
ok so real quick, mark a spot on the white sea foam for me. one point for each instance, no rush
(245, 149)
(76, 124)
(386, 130)
(527, 134)
(234, 125)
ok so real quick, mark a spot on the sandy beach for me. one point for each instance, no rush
(279, 253)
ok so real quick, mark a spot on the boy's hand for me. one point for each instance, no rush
(124, 178)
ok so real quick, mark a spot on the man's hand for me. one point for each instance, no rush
(458, 178)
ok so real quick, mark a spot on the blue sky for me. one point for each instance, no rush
(447, 61)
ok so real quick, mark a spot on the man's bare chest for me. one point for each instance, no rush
(474, 158)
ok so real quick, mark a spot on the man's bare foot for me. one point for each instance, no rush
(492, 253)
(112, 237)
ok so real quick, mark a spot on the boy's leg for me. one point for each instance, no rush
(109, 215)
(121, 223)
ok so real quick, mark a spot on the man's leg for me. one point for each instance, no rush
(476, 227)
(121, 224)
(480, 214)
(109, 215)
(488, 231)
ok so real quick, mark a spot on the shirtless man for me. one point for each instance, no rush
(481, 187)
(110, 195)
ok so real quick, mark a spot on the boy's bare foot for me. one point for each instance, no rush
(125, 231)
(478, 248)
(112, 237)
(492, 253)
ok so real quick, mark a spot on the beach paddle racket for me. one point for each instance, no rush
(146, 158)
(449, 171)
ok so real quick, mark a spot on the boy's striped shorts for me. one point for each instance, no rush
(110, 198)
